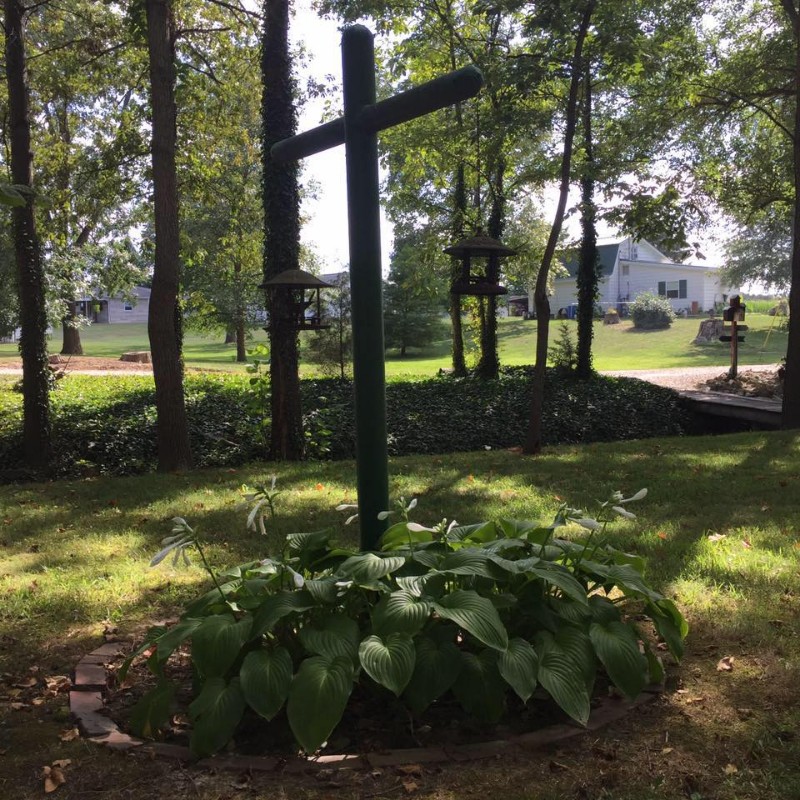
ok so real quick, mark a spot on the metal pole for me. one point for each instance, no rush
(363, 220)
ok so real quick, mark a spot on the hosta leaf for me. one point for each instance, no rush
(561, 578)
(215, 714)
(561, 673)
(617, 648)
(322, 590)
(216, 643)
(400, 612)
(367, 567)
(480, 532)
(277, 606)
(389, 661)
(622, 575)
(399, 535)
(472, 561)
(198, 607)
(265, 679)
(327, 643)
(153, 710)
(428, 558)
(664, 620)
(516, 528)
(655, 667)
(438, 664)
(174, 636)
(476, 615)
(602, 609)
(518, 665)
(479, 687)
(317, 699)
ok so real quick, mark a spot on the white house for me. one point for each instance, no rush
(629, 268)
(132, 307)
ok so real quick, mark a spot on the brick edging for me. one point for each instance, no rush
(91, 680)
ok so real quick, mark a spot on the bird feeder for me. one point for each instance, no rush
(305, 306)
(473, 283)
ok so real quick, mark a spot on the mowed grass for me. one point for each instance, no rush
(616, 347)
(720, 529)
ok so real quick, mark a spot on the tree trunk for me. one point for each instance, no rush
(33, 317)
(457, 230)
(71, 334)
(241, 341)
(281, 230)
(588, 277)
(230, 336)
(791, 381)
(164, 323)
(533, 442)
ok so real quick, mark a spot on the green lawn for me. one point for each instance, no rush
(616, 347)
(719, 529)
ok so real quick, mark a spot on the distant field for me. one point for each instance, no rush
(616, 347)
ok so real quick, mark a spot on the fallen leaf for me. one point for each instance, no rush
(53, 778)
(19, 706)
(410, 786)
(746, 544)
(715, 537)
(319, 487)
(765, 508)
(470, 479)
(37, 701)
(725, 664)
(666, 751)
(662, 535)
(62, 762)
(70, 735)
(27, 683)
(557, 766)
(731, 769)
(415, 770)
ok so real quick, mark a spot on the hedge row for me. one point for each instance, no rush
(108, 425)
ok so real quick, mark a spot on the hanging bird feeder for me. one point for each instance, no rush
(479, 246)
(305, 305)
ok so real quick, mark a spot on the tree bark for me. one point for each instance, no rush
(163, 324)
(281, 230)
(533, 442)
(791, 382)
(70, 334)
(457, 231)
(241, 349)
(33, 317)
(588, 277)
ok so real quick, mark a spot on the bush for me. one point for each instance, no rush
(108, 425)
(651, 312)
(472, 613)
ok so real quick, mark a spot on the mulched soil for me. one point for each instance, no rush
(749, 384)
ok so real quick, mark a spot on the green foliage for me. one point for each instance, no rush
(651, 312)
(563, 354)
(108, 426)
(479, 611)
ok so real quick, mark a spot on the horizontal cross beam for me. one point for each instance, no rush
(431, 96)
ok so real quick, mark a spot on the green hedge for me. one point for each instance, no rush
(108, 425)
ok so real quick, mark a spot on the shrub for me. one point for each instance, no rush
(650, 312)
(563, 355)
(474, 613)
(109, 424)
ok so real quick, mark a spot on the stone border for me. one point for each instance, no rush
(91, 681)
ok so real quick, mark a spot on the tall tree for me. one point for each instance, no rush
(791, 382)
(281, 229)
(533, 441)
(163, 325)
(33, 317)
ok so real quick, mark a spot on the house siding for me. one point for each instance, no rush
(118, 314)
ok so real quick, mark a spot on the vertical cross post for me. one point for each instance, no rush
(358, 131)
(363, 202)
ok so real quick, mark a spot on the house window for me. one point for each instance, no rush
(676, 290)
(127, 306)
(626, 270)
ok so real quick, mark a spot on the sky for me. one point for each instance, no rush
(325, 228)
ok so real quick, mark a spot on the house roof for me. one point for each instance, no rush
(606, 255)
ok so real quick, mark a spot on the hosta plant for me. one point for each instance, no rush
(477, 612)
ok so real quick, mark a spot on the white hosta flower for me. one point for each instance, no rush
(350, 519)
(589, 523)
(641, 494)
(412, 505)
(383, 515)
(623, 512)
(416, 528)
(346, 506)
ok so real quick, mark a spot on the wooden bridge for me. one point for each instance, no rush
(760, 411)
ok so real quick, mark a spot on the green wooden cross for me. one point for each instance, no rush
(358, 131)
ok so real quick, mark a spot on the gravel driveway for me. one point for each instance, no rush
(685, 378)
